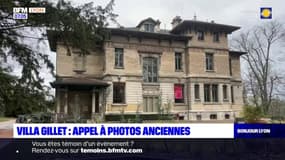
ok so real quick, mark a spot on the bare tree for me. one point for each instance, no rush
(261, 43)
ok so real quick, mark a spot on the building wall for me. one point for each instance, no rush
(135, 50)
(66, 63)
(103, 66)
(208, 40)
(197, 65)
(235, 60)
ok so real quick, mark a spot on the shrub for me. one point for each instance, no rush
(35, 118)
(252, 114)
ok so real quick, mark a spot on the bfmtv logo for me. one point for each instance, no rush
(20, 13)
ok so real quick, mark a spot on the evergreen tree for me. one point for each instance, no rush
(83, 27)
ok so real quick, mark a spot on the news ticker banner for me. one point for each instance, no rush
(124, 130)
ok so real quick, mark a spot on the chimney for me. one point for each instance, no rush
(157, 25)
(176, 20)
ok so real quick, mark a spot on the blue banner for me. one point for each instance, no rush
(259, 131)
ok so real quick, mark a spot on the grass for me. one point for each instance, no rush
(3, 119)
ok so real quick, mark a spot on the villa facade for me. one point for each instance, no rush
(188, 71)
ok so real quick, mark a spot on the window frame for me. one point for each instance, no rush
(119, 56)
(209, 62)
(210, 94)
(227, 116)
(213, 116)
(232, 94)
(197, 95)
(149, 28)
(207, 93)
(230, 66)
(215, 93)
(116, 96)
(178, 59)
(225, 93)
(150, 65)
(179, 101)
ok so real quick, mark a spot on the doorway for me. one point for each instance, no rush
(150, 104)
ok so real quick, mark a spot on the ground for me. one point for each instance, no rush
(3, 119)
(6, 127)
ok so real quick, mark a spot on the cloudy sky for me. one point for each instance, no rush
(243, 13)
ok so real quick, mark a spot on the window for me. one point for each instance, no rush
(230, 65)
(232, 94)
(216, 37)
(227, 116)
(79, 61)
(178, 61)
(211, 93)
(118, 92)
(225, 92)
(179, 93)
(209, 62)
(119, 57)
(200, 35)
(199, 117)
(207, 93)
(148, 27)
(213, 116)
(150, 69)
(215, 93)
(197, 91)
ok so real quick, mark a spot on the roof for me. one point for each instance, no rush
(238, 53)
(128, 32)
(162, 34)
(79, 82)
(203, 25)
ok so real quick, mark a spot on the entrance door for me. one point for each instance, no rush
(150, 104)
(80, 104)
(85, 101)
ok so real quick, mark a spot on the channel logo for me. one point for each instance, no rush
(20, 13)
(266, 13)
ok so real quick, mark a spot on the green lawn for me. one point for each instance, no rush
(3, 119)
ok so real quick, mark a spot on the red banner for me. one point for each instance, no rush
(178, 92)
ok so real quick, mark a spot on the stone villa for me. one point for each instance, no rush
(188, 71)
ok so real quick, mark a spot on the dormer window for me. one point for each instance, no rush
(148, 27)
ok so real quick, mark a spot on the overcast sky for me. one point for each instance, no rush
(243, 13)
(236, 12)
